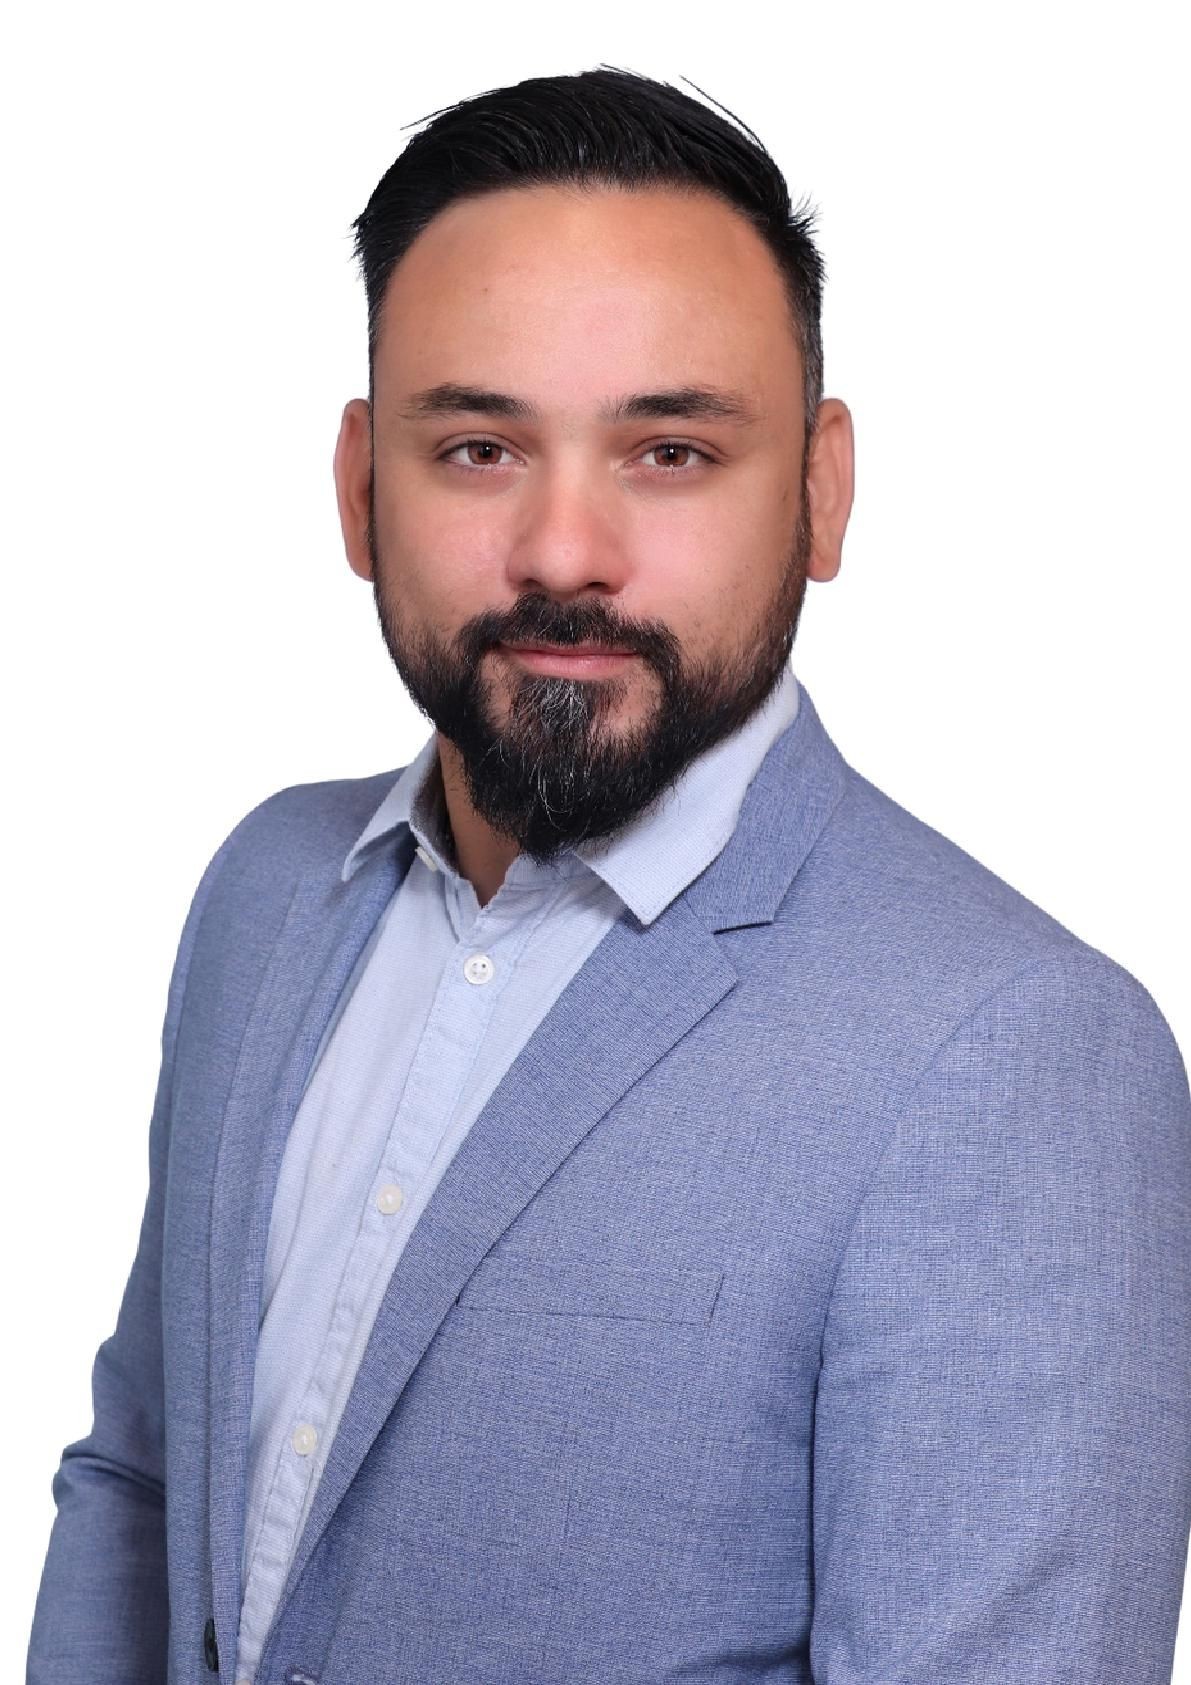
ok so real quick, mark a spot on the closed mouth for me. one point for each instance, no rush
(568, 649)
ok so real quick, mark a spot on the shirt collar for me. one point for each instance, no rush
(647, 862)
(658, 854)
(415, 801)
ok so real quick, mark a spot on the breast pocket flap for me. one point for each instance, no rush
(570, 1286)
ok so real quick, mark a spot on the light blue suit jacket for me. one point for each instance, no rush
(811, 1299)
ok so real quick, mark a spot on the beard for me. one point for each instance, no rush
(555, 772)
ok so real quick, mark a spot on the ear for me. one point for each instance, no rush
(353, 480)
(830, 484)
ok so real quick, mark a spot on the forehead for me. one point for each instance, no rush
(558, 287)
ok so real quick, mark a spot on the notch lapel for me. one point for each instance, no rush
(638, 992)
(324, 930)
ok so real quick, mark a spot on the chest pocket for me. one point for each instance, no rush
(527, 1284)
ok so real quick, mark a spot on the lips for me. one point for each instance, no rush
(568, 649)
(577, 660)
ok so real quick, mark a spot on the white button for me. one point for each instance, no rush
(478, 968)
(389, 1198)
(304, 1439)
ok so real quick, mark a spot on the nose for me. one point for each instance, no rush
(566, 538)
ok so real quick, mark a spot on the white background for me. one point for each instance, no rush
(1002, 211)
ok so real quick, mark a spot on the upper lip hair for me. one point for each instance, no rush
(571, 649)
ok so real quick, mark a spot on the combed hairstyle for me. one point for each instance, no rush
(604, 127)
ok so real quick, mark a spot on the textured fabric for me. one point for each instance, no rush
(810, 1299)
(412, 1053)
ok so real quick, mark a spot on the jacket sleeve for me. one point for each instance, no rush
(102, 1611)
(1002, 1445)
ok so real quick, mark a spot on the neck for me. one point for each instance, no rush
(482, 854)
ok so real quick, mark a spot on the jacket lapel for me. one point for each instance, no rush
(641, 989)
(610, 1024)
(324, 930)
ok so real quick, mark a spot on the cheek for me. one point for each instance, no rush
(704, 575)
(417, 522)
(746, 556)
(447, 563)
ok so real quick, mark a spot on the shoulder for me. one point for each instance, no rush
(307, 826)
(249, 881)
(924, 939)
(1025, 1103)
(295, 831)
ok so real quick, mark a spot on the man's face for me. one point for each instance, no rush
(672, 537)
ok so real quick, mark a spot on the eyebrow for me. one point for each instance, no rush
(694, 403)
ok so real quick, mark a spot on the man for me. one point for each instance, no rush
(628, 1201)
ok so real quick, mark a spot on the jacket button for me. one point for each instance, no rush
(210, 1648)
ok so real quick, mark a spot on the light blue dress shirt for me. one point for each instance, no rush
(443, 998)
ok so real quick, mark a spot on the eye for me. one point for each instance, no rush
(669, 446)
(478, 445)
(493, 450)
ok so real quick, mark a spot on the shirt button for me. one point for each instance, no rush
(304, 1439)
(389, 1198)
(478, 968)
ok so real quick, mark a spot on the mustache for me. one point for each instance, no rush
(538, 619)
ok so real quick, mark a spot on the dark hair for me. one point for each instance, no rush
(604, 127)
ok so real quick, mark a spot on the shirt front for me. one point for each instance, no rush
(441, 1001)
